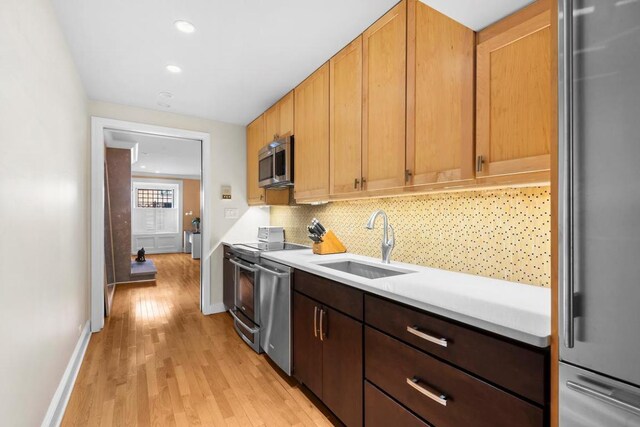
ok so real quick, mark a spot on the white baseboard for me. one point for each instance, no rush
(58, 404)
(215, 308)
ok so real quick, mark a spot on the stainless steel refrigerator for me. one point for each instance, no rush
(599, 304)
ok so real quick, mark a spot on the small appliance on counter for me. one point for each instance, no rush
(262, 301)
(325, 242)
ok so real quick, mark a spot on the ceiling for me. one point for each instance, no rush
(243, 56)
(159, 155)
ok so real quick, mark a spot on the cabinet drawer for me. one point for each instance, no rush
(515, 367)
(336, 295)
(382, 411)
(440, 393)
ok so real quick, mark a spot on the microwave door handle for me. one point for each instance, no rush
(244, 267)
(272, 272)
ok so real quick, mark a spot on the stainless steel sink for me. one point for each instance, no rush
(361, 269)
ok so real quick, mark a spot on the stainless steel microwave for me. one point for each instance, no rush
(275, 163)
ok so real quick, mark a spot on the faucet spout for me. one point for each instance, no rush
(387, 243)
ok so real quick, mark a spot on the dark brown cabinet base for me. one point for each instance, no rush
(376, 362)
(327, 347)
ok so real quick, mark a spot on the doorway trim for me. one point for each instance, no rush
(98, 126)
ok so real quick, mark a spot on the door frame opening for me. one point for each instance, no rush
(98, 126)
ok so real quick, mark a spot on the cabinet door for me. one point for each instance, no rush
(307, 347)
(514, 96)
(440, 99)
(342, 379)
(311, 151)
(285, 107)
(384, 100)
(255, 140)
(345, 119)
(271, 124)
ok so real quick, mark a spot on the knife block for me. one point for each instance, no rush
(330, 245)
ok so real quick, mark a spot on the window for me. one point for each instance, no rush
(155, 207)
(155, 198)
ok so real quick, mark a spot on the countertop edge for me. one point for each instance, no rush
(504, 331)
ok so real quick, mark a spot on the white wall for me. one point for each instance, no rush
(44, 202)
(228, 166)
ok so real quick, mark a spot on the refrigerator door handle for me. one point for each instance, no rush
(618, 403)
(567, 170)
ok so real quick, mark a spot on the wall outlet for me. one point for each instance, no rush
(231, 213)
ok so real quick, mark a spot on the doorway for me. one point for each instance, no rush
(161, 173)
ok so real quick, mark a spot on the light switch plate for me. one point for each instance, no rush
(231, 213)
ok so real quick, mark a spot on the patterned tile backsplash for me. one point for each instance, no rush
(503, 233)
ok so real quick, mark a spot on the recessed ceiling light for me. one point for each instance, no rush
(184, 26)
(174, 69)
(157, 171)
(164, 104)
(143, 167)
(165, 95)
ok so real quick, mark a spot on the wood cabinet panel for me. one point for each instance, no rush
(384, 102)
(342, 366)
(440, 97)
(516, 367)
(279, 119)
(307, 348)
(345, 119)
(514, 97)
(408, 375)
(341, 297)
(255, 140)
(271, 123)
(286, 112)
(382, 411)
(312, 137)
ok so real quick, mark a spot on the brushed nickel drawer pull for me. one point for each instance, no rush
(427, 391)
(415, 331)
(321, 327)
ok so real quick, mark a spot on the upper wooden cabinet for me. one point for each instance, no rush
(311, 150)
(255, 140)
(514, 94)
(279, 118)
(345, 119)
(440, 101)
(384, 100)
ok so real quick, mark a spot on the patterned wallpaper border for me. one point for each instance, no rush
(503, 233)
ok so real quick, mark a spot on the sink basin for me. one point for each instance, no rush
(362, 269)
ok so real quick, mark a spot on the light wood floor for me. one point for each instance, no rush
(159, 361)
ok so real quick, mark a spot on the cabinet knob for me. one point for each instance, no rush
(356, 182)
(407, 175)
(363, 181)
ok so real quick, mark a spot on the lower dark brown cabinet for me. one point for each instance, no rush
(440, 393)
(382, 411)
(327, 357)
(228, 279)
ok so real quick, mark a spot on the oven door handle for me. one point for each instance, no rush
(243, 266)
(244, 325)
(272, 272)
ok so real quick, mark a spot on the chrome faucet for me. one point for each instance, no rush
(387, 242)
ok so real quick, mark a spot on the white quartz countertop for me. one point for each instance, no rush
(514, 310)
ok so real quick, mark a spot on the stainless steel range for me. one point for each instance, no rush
(262, 306)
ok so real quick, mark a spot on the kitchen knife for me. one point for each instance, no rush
(315, 238)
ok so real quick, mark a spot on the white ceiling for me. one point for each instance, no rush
(160, 155)
(243, 56)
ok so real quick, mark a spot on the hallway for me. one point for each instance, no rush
(159, 361)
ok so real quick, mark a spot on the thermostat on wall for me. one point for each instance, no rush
(226, 192)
